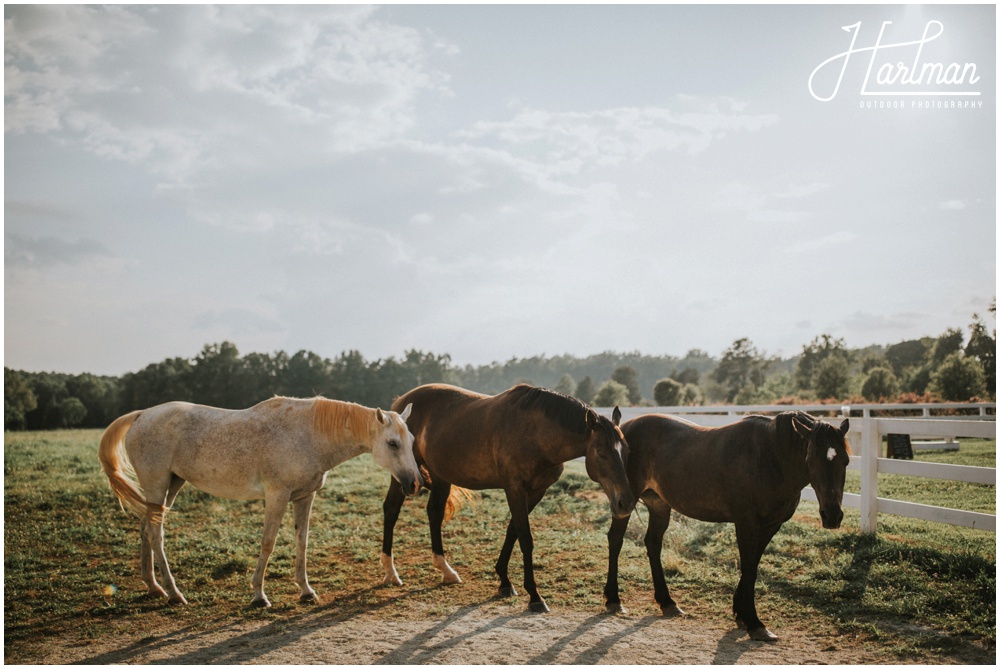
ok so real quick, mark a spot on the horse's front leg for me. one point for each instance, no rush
(520, 506)
(391, 507)
(440, 490)
(506, 588)
(751, 540)
(659, 521)
(616, 537)
(301, 509)
(274, 508)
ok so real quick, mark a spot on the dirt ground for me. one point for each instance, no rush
(489, 633)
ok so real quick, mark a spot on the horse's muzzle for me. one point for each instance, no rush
(831, 518)
(622, 505)
(410, 485)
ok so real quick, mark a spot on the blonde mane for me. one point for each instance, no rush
(343, 420)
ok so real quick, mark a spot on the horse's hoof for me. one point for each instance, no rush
(506, 591)
(671, 611)
(309, 598)
(392, 579)
(450, 579)
(538, 607)
(158, 593)
(614, 607)
(177, 600)
(260, 603)
(762, 634)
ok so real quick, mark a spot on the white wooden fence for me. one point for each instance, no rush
(866, 432)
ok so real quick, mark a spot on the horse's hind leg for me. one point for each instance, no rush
(302, 507)
(152, 549)
(659, 521)
(616, 536)
(390, 514)
(440, 489)
(154, 530)
(147, 572)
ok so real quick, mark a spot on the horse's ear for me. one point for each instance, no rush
(791, 428)
(592, 421)
(803, 424)
(845, 427)
(616, 416)
(381, 417)
(406, 412)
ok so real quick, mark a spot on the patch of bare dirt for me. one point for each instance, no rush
(489, 633)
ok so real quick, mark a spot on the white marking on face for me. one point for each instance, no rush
(831, 454)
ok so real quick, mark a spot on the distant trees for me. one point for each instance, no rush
(742, 370)
(880, 384)
(628, 377)
(566, 385)
(668, 392)
(18, 400)
(612, 393)
(825, 370)
(585, 390)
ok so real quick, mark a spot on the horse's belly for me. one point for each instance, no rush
(229, 491)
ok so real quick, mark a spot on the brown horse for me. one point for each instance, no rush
(749, 473)
(517, 440)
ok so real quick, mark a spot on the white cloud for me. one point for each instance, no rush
(953, 205)
(835, 239)
(569, 141)
(202, 87)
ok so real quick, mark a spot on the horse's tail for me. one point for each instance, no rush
(455, 501)
(114, 462)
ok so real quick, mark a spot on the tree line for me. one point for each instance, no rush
(944, 368)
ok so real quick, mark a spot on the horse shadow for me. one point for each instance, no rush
(245, 648)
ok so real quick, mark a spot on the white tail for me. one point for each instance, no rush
(115, 464)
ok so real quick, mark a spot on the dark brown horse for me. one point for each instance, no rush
(517, 440)
(749, 473)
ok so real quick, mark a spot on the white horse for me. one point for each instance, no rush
(278, 450)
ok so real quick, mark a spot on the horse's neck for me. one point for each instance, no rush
(336, 451)
(792, 462)
(571, 447)
(342, 432)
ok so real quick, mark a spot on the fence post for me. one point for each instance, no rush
(871, 444)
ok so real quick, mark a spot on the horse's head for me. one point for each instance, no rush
(393, 449)
(607, 455)
(827, 457)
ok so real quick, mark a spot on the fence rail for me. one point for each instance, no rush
(866, 431)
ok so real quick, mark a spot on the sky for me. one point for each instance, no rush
(492, 181)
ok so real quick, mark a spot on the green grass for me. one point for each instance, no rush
(920, 592)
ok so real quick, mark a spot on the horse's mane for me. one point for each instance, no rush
(568, 412)
(337, 419)
(782, 425)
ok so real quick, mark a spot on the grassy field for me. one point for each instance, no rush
(920, 592)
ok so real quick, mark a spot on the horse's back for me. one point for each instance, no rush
(701, 472)
(226, 452)
(455, 433)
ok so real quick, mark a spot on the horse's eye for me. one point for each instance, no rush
(393, 444)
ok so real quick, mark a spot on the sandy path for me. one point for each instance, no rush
(479, 634)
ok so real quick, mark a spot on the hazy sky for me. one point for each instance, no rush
(491, 182)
